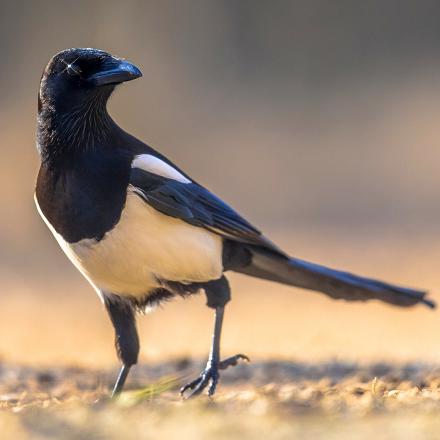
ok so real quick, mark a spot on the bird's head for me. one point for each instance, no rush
(74, 89)
(75, 77)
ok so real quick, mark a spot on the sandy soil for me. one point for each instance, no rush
(273, 400)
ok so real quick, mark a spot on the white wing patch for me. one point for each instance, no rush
(152, 164)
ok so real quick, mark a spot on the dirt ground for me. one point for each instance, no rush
(274, 400)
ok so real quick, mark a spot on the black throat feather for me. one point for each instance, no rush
(82, 182)
(69, 128)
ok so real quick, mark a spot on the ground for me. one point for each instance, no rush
(273, 400)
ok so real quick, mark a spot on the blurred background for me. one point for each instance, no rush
(319, 120)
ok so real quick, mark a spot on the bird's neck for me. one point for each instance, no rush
(64, 130)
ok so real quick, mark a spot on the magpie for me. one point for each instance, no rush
(140, 229)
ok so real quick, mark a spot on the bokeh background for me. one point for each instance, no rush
(318, 120)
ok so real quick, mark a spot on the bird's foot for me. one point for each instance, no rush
(210, 376)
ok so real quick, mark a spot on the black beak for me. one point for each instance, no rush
(115, 73)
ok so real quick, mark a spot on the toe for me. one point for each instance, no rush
(213, 385)
(232, 361)
(201, 384)
(190, 385)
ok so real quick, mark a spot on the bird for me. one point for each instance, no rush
(141, 230)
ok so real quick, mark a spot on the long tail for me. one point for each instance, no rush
(334, 283)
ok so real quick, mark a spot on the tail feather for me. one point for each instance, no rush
(334, 283)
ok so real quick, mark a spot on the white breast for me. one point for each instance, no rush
(144, 247)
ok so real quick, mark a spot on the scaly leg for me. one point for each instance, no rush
(218, 294)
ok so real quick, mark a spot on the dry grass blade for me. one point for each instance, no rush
(149, 392)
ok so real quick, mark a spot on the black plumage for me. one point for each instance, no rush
(139, 228)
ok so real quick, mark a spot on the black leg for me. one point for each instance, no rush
(120, 381)
(126, 338)
(218, 294)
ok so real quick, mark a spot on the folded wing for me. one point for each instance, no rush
(190, 202)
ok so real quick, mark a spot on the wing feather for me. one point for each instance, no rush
(196, 205)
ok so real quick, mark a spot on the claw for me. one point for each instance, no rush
(210, 376)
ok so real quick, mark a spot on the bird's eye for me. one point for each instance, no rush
(73, 70)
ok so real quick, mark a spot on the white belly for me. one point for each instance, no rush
(144, 247)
